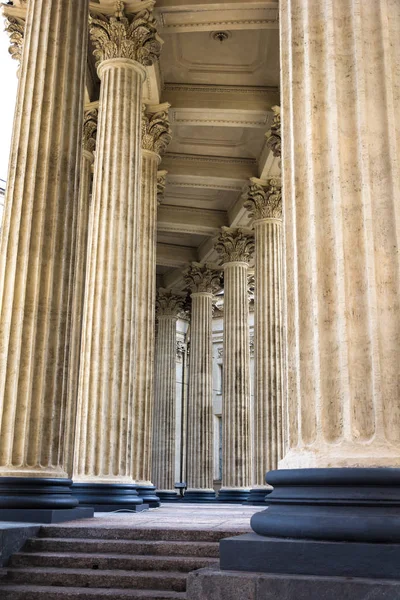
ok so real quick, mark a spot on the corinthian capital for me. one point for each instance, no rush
(274, 134)
(203, 278)
(156, 130)
(161, 183)
(131, 36)
(169, 303)
(15, 28)
(263, 199)
(235, 245)
(90, 129)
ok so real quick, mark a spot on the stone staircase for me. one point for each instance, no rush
(77, 563)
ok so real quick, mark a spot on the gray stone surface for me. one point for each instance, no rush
(252, 552)
(212, 584)
(12, 537)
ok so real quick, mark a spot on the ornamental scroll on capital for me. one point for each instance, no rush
(15, 27)
(161, 183)
(205, 278)
(235, 245)
(263, 199)
(90, 129)
(169, 303)
(123, 35)
(274, 134)
(156, 129)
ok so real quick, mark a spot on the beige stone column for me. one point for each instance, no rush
(77, 291)
(341, 174)
(168, 306)
(156, 135)
(37, 246)
(235, 247)
(202, 281)
(264, 203)
(103, 461)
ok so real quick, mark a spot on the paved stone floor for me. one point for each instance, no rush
(222, 517)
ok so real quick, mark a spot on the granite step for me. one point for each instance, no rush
(132, 547)
(107, 562)
(110, 579)
(125, 533)
(40, 592)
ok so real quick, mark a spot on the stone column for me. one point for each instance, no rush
(202, 281)
(103, 461)
(264, 203)
(341, 174)
(168, 306)
(235, 247)
(77, 292)
(156, 135)
(37, 246)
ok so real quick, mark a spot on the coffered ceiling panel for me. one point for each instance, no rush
(247, 57)
(200, 197)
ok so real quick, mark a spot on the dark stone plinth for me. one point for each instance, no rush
(199, 497)
(45, 515)
(233, 496)
(252, 552)
(348, 505)
(212, 584)
(13, 537)
(108, 497)
(36, 493)
(257, 496)
(167, 496)
(148, 494)
(332, 522)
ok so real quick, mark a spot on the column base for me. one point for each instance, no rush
(43, 515)
(233, 495)
(326, 522)
(168, 496)
(148, 494)
(35, 493)
(257, 496)
(199, 496)
(105, 497)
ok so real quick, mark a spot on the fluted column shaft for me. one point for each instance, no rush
(163, 462)
(200, 402)
(146, 283)
(341, 171)
(104, 423)
(268, 348)
(37, 240)
(236, 450)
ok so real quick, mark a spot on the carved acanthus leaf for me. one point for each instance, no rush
(203, 278)
(161, 183)
(90, 129)
(15, 28)
(156, 131)
(169, 303)
(235, 245)
(263, 199)
(131, 36)
(274, 134)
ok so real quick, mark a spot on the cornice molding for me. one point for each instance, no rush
(221, 160)
(227, 89)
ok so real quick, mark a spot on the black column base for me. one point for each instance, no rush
(108, 497)
(327, 522)
(32, 493)
(168, 496)
(43, 515)
(233, 496)
(148, 494)
(257, 496)
(199, 497)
